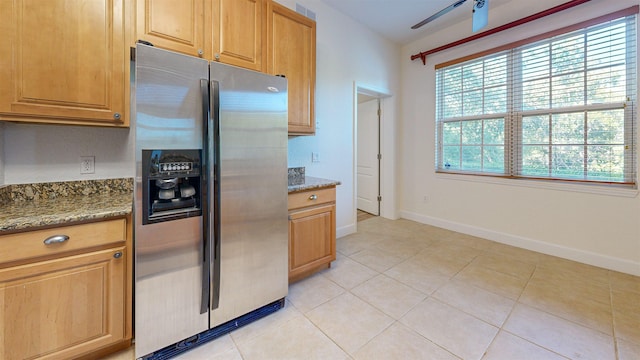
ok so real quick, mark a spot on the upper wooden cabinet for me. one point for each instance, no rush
(176, 25)
(259, 35)
(64, 62)
(291, 51)
(239, 32)
(229, 31)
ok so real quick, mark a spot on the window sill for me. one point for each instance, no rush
(609, 190)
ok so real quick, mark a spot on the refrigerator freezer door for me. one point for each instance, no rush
(252, 252)
(168, 255)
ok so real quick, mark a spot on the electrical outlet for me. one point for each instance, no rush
(315, 157)
(87, 164)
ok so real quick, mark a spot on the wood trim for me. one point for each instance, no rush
(105, 351)
(310, 270)
(128, 316)
(595, 21)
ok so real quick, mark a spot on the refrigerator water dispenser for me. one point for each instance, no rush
(172, 185)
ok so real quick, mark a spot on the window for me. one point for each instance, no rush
(561, 109)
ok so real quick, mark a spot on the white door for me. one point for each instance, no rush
(368, 164)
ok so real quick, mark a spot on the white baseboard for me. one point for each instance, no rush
(346, 230)
(586, 257)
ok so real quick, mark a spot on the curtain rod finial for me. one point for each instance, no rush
(422, 56)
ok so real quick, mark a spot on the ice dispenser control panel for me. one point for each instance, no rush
(175, 166)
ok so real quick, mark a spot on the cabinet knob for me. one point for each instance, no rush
(200, 52)
(116, 116)
(217, 57)
(118, 255)
(55, 239)
(313, 197)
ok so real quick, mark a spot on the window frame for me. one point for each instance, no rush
(513, 143)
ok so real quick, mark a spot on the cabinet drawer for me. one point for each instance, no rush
(30, 244)
(312, 197)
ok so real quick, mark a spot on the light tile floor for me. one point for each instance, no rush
(404, 290)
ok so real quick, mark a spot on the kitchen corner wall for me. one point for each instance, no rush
(590, 227)
(346, 52)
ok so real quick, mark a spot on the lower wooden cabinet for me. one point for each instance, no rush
(70, 303)
(312, 232)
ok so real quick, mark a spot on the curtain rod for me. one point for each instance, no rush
(524, 20)
(581, 25)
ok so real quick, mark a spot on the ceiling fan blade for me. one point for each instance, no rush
(439, 13)
(480, 14)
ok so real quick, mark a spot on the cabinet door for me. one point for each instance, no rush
(177, 25)
(312, 239)
(291, 44)
(238, 32)
(62, 308)
(63, 62)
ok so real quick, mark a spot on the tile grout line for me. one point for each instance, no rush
(613, 318)
(356, 296)
(513, 307)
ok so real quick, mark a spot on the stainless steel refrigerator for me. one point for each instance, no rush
(210, 199)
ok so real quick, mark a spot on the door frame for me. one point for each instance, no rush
(387, 132)
(378, 149)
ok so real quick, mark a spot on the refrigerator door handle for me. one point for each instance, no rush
(214, 183)
(206, 241)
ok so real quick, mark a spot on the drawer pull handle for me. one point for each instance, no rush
(55, 239)
(118, 255)
(313, 197)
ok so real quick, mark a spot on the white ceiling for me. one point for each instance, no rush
(393, 18)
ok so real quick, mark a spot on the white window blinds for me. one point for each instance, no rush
(561, 108)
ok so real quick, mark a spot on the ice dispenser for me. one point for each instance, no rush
(172, 184)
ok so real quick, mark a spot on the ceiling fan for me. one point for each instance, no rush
(480, 14)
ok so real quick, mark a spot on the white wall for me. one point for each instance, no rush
(600, 229)
(346, 52)
(46, 153)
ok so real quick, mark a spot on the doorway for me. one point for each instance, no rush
(373, 143)
(368, 156)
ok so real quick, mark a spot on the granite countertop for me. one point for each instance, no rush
(312, 183)
(27, 206)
